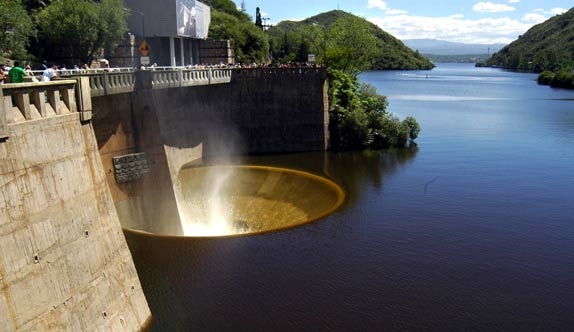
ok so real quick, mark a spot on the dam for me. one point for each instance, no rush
(85, 157)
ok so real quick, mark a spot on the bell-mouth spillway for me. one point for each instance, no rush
(227, 200)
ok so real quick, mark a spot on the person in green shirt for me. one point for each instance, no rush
(17, 73)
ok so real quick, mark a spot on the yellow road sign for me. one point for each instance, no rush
(144, 48)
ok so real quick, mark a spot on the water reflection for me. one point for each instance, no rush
(270, 282)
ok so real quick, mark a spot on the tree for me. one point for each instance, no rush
(304, 50)
(352, 46)
(16, 28)
(412, 126)
(251, 43)
(358, 118)
(76, 30)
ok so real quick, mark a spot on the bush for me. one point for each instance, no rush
(563, 79)
(545, 77)
(412, 126)
(358, 117)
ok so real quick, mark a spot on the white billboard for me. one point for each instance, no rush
(193, 18)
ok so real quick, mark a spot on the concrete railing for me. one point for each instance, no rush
(103, 84)
(108, 83)
(190, 77)
(31, 101)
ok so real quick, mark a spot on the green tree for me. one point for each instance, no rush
(251, 44)
(76, 30)
(352, 47)
(358, 116)
(563, 79)
(304, 50)
(412, 126)
(16, 28)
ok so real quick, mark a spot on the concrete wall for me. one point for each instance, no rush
(64, 262)
(260, 111)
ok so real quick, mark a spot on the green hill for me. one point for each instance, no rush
(293, 40)
(546, 46)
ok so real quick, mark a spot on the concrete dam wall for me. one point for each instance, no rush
(259, 111)
(75, 169)
(64, 262)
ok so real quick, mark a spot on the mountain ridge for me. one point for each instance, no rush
(394, 53)
(443, 47)
(546, 46)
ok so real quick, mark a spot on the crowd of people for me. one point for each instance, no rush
(17, 73)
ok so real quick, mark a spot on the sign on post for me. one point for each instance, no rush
(144, 48)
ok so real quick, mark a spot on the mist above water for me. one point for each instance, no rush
(209, 214)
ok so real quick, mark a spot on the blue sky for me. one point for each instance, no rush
(466, 21)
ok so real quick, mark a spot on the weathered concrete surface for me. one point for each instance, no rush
(64, 262)
(260, 111)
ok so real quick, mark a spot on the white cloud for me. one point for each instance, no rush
(396, 12)
(489, 7)
(513, 1)
(534, 18)
(453, 28)
(380, 4)
(558, 10)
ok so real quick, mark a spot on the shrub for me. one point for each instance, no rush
(563, 79)
(412, 126)
(358, 117)
(545, 77)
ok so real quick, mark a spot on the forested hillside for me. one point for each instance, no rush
(546, 46)
(319, 35)
(227, 22)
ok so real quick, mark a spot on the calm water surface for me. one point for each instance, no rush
(472, 230)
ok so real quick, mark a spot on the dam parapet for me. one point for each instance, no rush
(105, 83)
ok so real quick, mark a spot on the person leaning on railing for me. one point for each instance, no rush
(50, 73)
(30, 74)
(16, 73)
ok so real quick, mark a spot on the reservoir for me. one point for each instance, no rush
(472, 229)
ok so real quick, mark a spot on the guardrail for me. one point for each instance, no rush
(31, 101)
(112, 82)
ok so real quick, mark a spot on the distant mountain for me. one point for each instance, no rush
(546, 46)
(443, 47)
(394, 54)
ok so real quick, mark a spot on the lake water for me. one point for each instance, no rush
(472, 230)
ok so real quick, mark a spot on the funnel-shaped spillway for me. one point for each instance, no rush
(232, 199)
(228, 200)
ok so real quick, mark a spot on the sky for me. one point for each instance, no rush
(465, 21)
